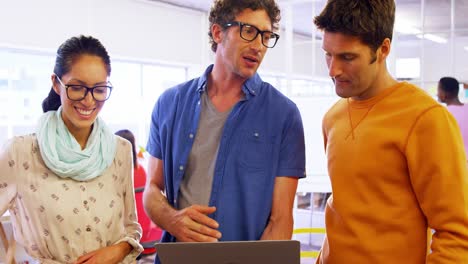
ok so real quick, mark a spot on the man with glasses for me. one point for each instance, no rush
(227, 148)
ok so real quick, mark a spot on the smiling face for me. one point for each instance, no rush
(236, 55)
(354, 67)
(79, 116)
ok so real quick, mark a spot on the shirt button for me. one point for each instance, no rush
(256, 134)
(88, 229)
(181, 168)
(85, 202)
(191, 136)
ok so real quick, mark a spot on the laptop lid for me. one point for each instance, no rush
(230, 252)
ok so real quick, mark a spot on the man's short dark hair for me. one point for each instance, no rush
(450, 86)
(370, 20)
(224, 11)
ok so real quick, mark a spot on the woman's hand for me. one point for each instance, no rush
(111, 254)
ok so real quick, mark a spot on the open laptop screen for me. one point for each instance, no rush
(230, 252)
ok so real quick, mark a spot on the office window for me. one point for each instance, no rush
(313, 98)
(155, 80)
(25, 80)
(24, 83)
(123, 107)
(408, 68)
(310, 212)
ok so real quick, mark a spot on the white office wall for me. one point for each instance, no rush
(147, 30)
(436, 58)
(304, 57)
(40, 24)
(128, 28)
(135, 29)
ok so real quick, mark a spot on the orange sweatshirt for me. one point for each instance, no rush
(397, 166)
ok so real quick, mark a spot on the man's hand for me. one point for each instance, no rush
(192, 224)
(109, 255)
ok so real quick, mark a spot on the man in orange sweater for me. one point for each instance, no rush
(395, 156)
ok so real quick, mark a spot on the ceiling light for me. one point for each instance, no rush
(432, 37)
(404, 27)
(407, 30)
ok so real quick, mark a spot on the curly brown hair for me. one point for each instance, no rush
(224, 11)
(370, 20)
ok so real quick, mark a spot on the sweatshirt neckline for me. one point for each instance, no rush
(373, 100)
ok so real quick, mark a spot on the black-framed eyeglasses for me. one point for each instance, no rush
(249, 32)
(77, 92)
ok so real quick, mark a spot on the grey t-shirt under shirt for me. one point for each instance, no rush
(195, 187)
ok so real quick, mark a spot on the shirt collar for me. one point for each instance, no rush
(250, 87)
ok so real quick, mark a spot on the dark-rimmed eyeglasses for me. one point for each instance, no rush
(77, 92)
(249, 32)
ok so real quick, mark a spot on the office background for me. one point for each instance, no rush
(157, 44)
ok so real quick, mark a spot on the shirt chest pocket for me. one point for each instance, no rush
(255, 150)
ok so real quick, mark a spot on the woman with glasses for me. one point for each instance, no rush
(68, 187)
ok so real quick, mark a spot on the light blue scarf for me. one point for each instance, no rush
(62, 153)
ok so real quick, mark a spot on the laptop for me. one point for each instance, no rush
(230, 252)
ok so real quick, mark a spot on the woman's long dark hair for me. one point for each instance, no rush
(128, 135)
(68, 53)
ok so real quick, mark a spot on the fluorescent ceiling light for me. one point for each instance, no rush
(432, 37)
(407, 30)
(404, 27)
(466, 48)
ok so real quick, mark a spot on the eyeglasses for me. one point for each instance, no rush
(77, 92)
(249, 33)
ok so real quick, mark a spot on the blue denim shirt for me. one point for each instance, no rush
(262, 138)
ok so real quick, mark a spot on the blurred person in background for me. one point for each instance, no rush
(151, 233)
(447, 92)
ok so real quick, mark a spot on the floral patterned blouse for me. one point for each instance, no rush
(58, 219)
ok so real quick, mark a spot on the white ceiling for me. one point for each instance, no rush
(437, 13)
